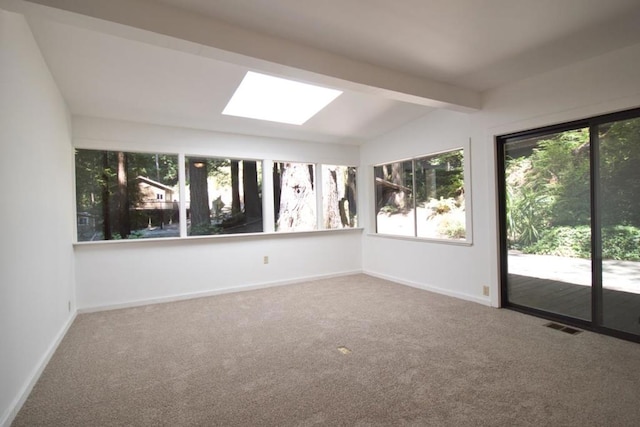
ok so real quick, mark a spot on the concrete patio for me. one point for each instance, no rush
(617, 275)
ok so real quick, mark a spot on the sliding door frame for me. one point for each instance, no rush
(593, 123)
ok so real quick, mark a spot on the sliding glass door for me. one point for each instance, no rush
(570, 222)
(619, 217)
(548, 228)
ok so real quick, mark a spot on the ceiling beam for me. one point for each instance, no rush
(222, 41)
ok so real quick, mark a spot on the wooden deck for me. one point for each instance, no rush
(621, 309)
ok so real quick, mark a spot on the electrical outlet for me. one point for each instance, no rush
(485, 291)
(265, 260)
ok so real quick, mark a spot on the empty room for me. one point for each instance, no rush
(273, 213)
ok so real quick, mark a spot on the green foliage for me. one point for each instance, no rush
(547, 186)
(620, 181)
(548, 195)
(218, 168)
(448, 215)
(452, 228)
(442, 206)
(389, 209)
(204, 230)
(97, 184)
(619, 242)
(563, 241)
(526, 215)
(439, 176)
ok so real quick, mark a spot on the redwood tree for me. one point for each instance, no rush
(235, 187)
(199, 193)
(124, 218)
(252, 202)
(297, 198)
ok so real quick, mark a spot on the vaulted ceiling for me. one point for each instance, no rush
(177, 62)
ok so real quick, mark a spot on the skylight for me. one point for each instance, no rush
(278, 100)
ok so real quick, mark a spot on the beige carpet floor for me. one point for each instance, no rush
(271, 358)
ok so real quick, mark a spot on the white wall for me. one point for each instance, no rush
(604, 84)
(444, 267)
(113, 274)
(99, 133)
(36, 266)
(129, 273)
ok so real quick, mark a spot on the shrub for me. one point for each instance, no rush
(452, 228)
(448, 216)
(563, 241)
(441, 206)
(389, 210)
(621, 242)
(618, 242)
(204, 230)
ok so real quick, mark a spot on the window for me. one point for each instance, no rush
(422, 197)
(116, 195)
(223, 196)
(339, 197)
(394, 198)
(294, 196)
(127, 195)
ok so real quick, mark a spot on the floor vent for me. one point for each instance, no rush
(344, 350)
(566, 329)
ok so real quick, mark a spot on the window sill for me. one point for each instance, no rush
(222, 237)
(422, 239)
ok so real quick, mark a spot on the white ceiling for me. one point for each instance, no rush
(103, 75)
(458, 47)
(463, 42)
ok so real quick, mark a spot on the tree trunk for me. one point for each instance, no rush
(124, 218)
(331, 209)
(199, 193)
(350, 194)
(397, 177)
(106, 211)
(252, 202)
(380, 172)
(277, 188)
(310, 167)
(235, 187)
(297, 199)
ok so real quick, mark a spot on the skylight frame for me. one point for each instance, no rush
(275, 99)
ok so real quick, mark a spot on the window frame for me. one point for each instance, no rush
(321, 196)
(267, 195)
(183, 164)
(317, 195)
(114, 150)
(466, 173)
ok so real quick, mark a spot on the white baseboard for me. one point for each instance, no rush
(15, 406)
(213, 292)
(423, 286)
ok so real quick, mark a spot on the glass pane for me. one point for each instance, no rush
(440, 196)
(394, 199)
(122, 195)
(223, 196)
(339, 196)
(548, 222)
(620, 222)
(294, 196)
